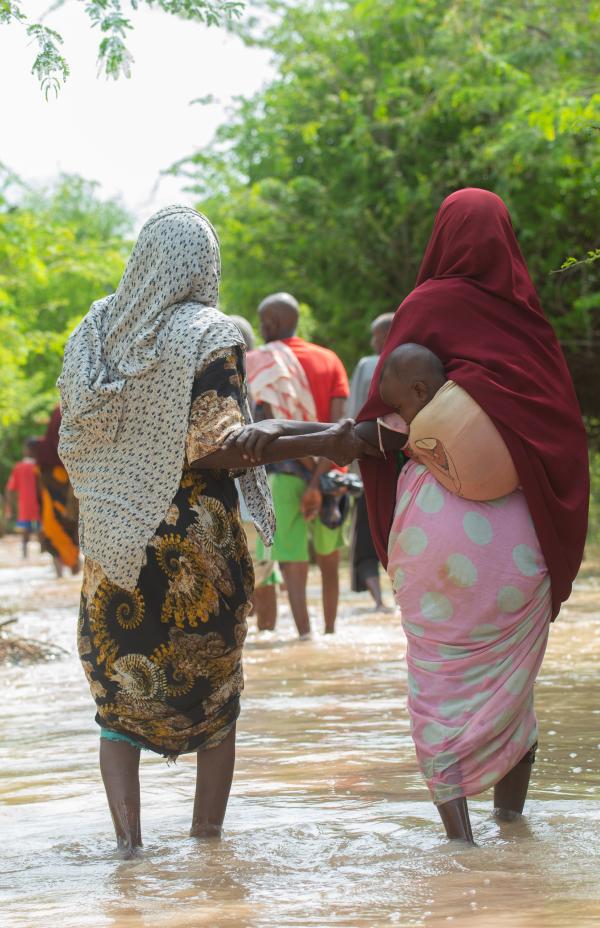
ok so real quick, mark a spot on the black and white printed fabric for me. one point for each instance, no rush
(126, 389)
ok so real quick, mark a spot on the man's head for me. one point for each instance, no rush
(410, 378)
(29, 447)
(379, 330)
(278, 314)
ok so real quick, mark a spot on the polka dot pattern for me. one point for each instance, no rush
(413, 540)
(510, 599)
(461, 571)
(399, 578)
(475, 602)
(413, 628)
(436, 607)
(126, 389)
(517, 681)
(430, 498)
(478, 528)
(525, 560)
(484, 632)
(403, 502)
(436, 732)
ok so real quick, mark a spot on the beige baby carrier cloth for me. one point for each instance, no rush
(460, 445)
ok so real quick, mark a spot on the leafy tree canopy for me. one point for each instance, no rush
(51, 67)
(60, 249)
(326, 182)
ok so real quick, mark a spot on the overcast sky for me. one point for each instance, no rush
(121, 133)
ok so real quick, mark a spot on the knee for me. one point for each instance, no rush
(329, 563)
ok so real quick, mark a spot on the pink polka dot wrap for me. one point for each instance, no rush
(474, 592)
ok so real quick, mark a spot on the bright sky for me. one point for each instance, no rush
(121, 133)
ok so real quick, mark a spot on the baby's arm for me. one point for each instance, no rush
(391, 437)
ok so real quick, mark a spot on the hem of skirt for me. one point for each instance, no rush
(110, 734)
(107, 734)
(467, 794)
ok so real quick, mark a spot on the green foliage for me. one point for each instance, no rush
(60, 249)
(114, 59)
(326, 182)
(594, 523)
(569, 264)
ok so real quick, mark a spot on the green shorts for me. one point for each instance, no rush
(293, 531)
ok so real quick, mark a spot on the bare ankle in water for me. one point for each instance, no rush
(510, 792)
(455, 818)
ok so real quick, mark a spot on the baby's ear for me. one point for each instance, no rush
(421, 390)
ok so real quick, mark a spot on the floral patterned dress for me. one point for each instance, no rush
(164, 661)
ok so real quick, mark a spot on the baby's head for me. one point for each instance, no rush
(410, 378)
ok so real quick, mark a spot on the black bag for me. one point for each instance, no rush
(337, 488)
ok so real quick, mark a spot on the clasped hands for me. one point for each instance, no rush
(341, 441)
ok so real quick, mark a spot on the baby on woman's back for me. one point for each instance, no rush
(410, 378)
(447, 430)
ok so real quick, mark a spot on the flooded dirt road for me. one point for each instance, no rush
(329, 823)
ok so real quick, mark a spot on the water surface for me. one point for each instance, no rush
(329, 823)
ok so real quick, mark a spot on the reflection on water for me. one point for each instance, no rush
(329, 823)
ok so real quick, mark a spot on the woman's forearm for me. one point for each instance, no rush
(289, 446)
(293, 427)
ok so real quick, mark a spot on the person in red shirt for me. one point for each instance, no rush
(22, 495)
(297, 379)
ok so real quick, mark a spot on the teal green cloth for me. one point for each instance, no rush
(109, 735)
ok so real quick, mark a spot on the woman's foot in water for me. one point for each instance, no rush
(119, 765)
(213, 784)
(455, 818)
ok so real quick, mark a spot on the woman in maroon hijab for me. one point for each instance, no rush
(479, 582)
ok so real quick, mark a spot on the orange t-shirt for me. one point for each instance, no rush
(325, 372)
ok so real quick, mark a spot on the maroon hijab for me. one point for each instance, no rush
(46, 450)
(475, 306)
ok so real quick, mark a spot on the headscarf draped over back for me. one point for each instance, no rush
(126, 389)
(476, 307)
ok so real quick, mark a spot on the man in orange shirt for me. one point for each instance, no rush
(294, 379)
(22, 489)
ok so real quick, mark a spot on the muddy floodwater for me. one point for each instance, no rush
(329, 823)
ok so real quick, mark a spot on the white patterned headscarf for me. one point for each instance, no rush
(126, 389)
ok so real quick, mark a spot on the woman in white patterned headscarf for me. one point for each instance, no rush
(153, 390)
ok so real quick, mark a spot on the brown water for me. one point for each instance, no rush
(329, 823)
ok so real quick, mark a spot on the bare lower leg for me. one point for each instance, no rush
(58, 567)
(265, 606)
(511, 791)
(456, 821)
(330, 581)
(374, 588)
(295, 574)
(119, 765)
(213, 784)
(24, 543)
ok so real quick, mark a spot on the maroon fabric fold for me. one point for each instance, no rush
(46, 449)
(476, 307)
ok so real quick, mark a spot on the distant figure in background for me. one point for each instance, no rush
(59, 509)
(364, 563)
(266, 572)
(22, 496)
(293, 379)
(247, 331)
